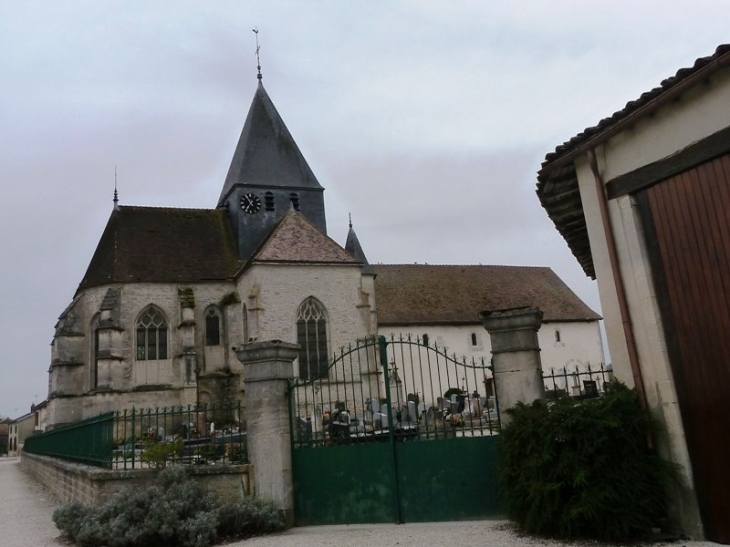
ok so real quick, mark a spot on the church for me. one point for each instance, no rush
(170, 292)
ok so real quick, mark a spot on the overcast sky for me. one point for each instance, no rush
(427, 120)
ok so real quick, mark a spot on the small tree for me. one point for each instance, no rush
(581, 468)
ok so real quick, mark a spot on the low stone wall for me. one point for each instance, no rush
(92, 485)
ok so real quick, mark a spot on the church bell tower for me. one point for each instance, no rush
(268, 176)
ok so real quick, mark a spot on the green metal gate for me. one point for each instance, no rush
(396, 430)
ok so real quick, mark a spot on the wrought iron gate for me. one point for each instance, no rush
(396, 430)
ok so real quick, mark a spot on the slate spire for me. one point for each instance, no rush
(352, 245)
(266, 154)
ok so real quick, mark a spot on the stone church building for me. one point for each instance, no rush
(169, 292)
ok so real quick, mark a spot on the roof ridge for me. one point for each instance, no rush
(167, 208)
(463, 265)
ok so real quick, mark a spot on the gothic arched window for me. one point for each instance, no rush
(151, 335)
(212, 327)
(312, 339)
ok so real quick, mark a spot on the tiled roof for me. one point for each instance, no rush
(423, 294)
(296, 239)
(557, 186)
(153, 244)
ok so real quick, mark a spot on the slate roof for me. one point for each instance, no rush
(428, 294)
(557, 186)
(295, 239)
(352, 246)
(266, 154)
(155, 244)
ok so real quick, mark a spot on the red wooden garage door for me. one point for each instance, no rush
(687, 223)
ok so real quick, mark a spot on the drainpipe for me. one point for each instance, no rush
(618, 282)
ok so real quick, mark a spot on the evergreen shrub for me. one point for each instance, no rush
(580, 468)
(157, 454)
(172, 511)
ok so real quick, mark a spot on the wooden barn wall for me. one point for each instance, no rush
(687, 222)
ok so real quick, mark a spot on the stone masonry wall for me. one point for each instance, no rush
(144, 377)
(91, 485)
(273, 294)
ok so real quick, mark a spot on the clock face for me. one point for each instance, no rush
(250, 203)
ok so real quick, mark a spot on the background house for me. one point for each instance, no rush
(642, 199)
(4, 433)
(20, 429)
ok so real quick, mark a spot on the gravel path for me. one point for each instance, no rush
(26, 508)
(483, 533)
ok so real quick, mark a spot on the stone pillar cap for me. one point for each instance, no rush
(266, 351)
(512, 318)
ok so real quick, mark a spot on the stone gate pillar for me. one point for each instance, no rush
(267, 367)
(515, 356)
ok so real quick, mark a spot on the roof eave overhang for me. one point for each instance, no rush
(411, 322)
(467, 322)
(260, 262)
(557, 186)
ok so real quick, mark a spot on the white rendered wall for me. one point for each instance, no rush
(579, 346)
(580, 342)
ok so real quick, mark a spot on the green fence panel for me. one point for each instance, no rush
(143, 438)
(344, 484)
(87, 441)
(448, 480)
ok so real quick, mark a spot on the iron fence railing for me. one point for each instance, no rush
(210, 434)
(577, 381)
(403, 388)
(150, 438)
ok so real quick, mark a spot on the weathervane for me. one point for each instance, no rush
(258, 60)
(116, 196)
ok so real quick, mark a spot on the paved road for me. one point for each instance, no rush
(26, 508)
